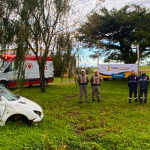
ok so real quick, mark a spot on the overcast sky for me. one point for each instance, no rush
(84, 7)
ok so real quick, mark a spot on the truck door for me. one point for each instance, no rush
(9, 71)
(10, 74)
(2, 107)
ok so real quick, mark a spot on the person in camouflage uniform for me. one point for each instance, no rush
(95, 83)
(83, 81)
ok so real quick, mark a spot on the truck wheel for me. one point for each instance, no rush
(3, 83)
(105, 79)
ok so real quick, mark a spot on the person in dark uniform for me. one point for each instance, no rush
(132, 84)
(143, 82)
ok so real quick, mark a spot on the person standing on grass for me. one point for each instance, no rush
(132, 84)
(83, 81)
(143, 82)
(95, 83)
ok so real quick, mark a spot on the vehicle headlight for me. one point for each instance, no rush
(37, 112)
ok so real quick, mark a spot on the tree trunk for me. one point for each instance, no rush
(42, 78)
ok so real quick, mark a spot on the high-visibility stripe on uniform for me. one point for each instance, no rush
(94, 79)
(143, 80)
(85, 81)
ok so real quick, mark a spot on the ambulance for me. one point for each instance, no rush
(32, 75)
(116, 71)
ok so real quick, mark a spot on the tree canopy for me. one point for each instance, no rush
(33, 25)
(116, 32)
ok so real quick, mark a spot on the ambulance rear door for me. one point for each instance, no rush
(49, 69)
(31, 72)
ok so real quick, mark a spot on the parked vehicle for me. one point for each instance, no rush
(116, 71)
(32, 76)
(14, 107)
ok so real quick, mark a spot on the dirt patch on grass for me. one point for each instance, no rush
(74, 114)
(81, 125)
(81, 128)
(113, 129)
(141, 108)
(70, 96)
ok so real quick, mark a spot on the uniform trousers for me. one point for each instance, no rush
(96, 89)
(145, 91)
(131, 90)
(83, 88)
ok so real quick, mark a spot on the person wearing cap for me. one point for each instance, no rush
(132, 84)
(95, 83)
(83, 81)
(143, 82)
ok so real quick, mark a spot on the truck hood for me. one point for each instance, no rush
(24, 102)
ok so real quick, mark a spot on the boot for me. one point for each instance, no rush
(92, 100)
(135, 99)
(98, 100)
(129, 100)
(141, 100)
(145, 101)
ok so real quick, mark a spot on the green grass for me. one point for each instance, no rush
(109, 125)
(147, 69)
(144, 67)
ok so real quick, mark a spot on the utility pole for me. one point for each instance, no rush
(78, 63)
(98, 62)
(138, 60)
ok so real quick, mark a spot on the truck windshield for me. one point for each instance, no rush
(8, 94)
(3, 65)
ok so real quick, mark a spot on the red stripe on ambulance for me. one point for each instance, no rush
(7, 76)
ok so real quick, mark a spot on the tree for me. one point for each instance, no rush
(116, 32)
(64, 61)
(37, 25)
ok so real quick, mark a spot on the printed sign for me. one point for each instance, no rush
(109, 69)
(120, 75)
